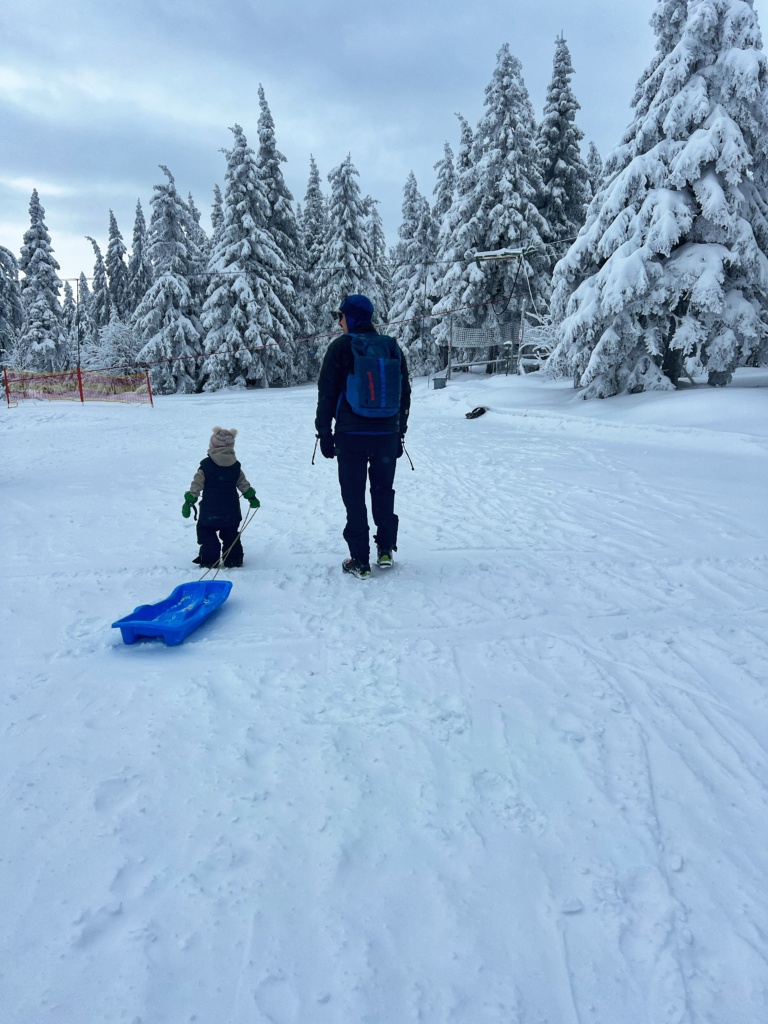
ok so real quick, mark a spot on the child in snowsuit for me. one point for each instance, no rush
(218, 479)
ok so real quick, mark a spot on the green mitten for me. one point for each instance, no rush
(250, 495)
(189, 501)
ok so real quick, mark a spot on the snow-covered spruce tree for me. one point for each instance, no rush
(380, 293)
(101, 301)
(68, 307)
(671, 264)
(69, 317)
(445, 185)
(243, 316)
(668, 21)
(281, 219)
(567, 191)
(459, 274)
(217, 215)
(37, 262)
(347, 263)
(117, 271)
(83, 292)
(11, 309)
(201, 247)
(85, 333)
(201, 238)
(315, 214)
(594, 169)
(117, 346)
(445, 192)
(314, 225)
(303, 364)
(509, 180)
(167, 318)
(498, 184)
(287, 282)
(139, 265)
(43, 344)
(413, 280)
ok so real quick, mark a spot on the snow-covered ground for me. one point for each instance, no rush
(521, 779)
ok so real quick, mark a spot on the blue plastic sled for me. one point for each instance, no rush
(178, 615)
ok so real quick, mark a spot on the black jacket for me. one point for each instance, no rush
(221, 501)
(338, 364)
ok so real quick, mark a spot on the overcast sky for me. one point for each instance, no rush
(95, 94)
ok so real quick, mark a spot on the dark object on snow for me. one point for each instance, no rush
(477, 411)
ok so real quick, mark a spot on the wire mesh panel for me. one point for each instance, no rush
(494, 346)
(77, 386)
(108, 387)
(473, 347)
(41, 386)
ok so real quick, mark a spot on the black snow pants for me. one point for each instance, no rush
(362, 458)
(214, 539)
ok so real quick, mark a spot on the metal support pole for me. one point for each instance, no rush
(520, 337)
(77, 323)
(450, 349)
(424, 310)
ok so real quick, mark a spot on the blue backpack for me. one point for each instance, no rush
(373, 388)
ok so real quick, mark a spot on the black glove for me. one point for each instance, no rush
(327, 447)
(400, 445)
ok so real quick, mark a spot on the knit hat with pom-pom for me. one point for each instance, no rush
(222, 438)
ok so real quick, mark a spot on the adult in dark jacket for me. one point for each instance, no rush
(365, 448)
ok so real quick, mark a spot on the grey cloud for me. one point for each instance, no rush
(133, 85)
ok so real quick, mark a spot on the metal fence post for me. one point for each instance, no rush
(450, 349)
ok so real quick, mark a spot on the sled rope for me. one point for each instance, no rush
(224, 554)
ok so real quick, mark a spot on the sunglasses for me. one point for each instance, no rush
(339, 314)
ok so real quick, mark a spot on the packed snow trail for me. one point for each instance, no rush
(521, 778)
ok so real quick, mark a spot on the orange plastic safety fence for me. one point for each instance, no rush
(77, 386)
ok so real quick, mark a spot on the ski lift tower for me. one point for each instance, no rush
(501, 255)
(495, 255)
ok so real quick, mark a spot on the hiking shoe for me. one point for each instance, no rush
(360, 569)
(385, 559)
